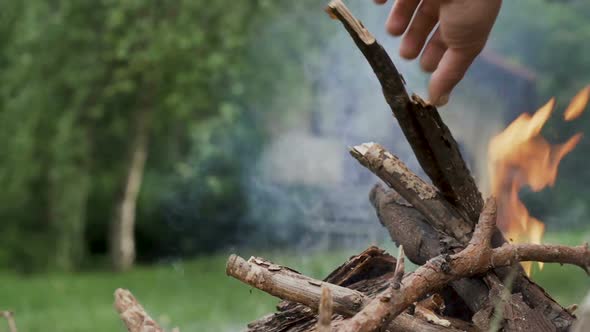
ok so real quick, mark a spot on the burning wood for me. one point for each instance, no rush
(470, 278)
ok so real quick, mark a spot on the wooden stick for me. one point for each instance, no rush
(9, 315)
(477, 258)
(400, 270)
(286, 284)
(421, 195)
(133, 315)
(325, 310)
(433, 144)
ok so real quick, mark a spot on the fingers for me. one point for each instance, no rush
(450, 71)
(400, 16)
(433, 52)
(421, 26)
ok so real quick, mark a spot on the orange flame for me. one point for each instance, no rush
(519, 156)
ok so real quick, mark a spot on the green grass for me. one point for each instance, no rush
(195, 295)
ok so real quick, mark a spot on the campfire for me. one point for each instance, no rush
(469, 277)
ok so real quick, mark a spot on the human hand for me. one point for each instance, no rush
(462, 32)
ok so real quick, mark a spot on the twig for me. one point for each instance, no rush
(477, 258)
(9, 315)
(133, 315)
(325, 310)
(398, 275)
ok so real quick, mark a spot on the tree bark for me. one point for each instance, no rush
(122, 237)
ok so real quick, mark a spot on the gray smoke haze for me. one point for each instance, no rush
(346, 107)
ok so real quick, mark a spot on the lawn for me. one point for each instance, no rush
(195, 295)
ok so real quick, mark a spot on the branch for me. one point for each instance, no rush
(509, 254)
(400, 270)
(425, 198)
(9, 315)
(325, 311)
(477, 258)
(133, 315)
(433, 144)
(289, 285)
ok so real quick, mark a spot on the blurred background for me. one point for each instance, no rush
(143, 141)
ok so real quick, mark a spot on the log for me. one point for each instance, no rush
(431, 140)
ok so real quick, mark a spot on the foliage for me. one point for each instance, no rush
(76, 74)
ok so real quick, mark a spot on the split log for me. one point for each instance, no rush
(477, 258)
(368, 273)
(431, 140)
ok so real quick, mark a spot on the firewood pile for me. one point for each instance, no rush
(469, 278)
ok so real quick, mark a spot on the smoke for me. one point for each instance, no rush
(305, 187)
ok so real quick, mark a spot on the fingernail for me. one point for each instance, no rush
(442, 101)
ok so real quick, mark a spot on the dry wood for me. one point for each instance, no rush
(418, 193)
(432, 142)
(133, 315)
(9, 315)
(477, 258)
(369, 273)
(301, 318)
(325, 310)
(289, 285)
(422, 242)
(400, 270)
